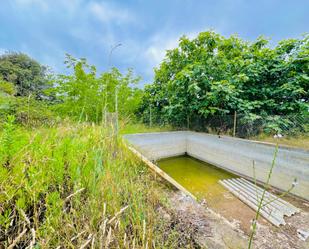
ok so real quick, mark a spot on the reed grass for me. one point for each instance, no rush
(300, 141)
(77, 186)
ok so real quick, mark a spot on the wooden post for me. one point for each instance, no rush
(234, 128)
(28, 118)
(188, 122)
(116, 108)
(150, 117)
(105, 109)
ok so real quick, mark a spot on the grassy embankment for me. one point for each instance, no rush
(77, 186)
(300, 141)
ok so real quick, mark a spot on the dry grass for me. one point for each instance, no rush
(301, 141)
(77, 186)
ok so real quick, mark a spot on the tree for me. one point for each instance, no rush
(7, 91)
(85, 96)
(214, 76)
(25, 73)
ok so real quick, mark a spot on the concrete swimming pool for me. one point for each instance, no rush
(234, 155)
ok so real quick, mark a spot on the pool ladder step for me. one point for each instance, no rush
(273, 208)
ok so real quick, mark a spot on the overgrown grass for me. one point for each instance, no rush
(131, 128)
(76, 186)
(301, 141)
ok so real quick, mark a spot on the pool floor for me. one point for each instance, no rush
(200, 178)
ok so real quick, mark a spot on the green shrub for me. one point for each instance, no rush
(211, 76)
(7, 88)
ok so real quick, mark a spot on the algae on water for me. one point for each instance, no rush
(200, 178)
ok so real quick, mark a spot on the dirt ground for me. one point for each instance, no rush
(228, 224)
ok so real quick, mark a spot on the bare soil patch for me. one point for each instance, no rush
(229, 225)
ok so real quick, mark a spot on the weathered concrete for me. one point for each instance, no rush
(159, 145)
(273, 208)
(233, 154)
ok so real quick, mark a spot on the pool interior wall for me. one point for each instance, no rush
(232, 154)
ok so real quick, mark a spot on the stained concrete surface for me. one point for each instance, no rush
(232, 154)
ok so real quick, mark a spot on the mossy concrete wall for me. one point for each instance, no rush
(233, 154)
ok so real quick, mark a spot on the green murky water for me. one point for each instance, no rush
(200, 178)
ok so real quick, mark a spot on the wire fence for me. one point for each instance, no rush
(252, 125)
(243, 126)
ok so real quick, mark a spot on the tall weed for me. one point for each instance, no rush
(76, 186)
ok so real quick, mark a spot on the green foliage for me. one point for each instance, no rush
(27, 110)
(6, 99)
(7, 140)
(213, 75)
(32, 112)
(7, 88)
(70, 182)
(26, 74)
(84, 96)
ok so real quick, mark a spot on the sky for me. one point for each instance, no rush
(47, 29)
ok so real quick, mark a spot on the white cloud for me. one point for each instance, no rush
(76, 18)
(157, 49)
(147, 55)
(104, 11)
(2, 51)
(160, 43)
(108, 13)
(29, 3)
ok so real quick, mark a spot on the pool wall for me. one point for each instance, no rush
(232, 154)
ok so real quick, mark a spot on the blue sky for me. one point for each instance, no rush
(47, 29)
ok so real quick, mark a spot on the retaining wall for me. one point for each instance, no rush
(233, 154)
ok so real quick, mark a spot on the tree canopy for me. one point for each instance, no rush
(86, 96)
(26, 74)
(213, 75)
